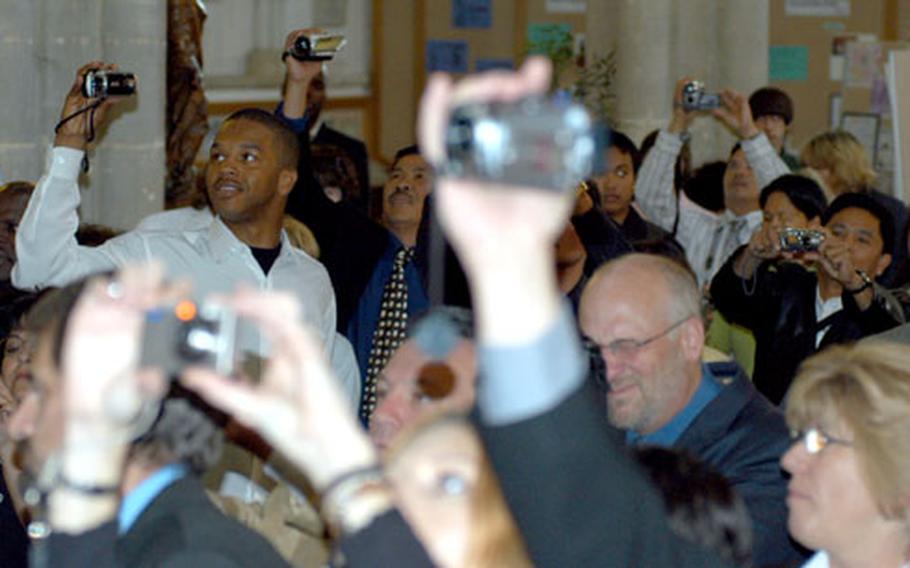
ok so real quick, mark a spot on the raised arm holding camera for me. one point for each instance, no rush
(709, 238)
(252, 168)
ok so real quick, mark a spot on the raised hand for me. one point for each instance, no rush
(736, 114)
(74, 133)
(503, 235)
(299, 76)
(297, 406)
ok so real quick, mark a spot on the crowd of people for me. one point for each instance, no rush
(638, 371)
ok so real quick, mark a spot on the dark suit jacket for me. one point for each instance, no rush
(356, 151)
(180, 528)
(780, 311)
(742, 436)
(386, 542)
(351, 244)
(577, 498)
(13, 540)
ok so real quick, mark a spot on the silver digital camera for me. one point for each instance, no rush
(322, 47)
(189, 333)
(108, 84)
(801, 240)
(533, 142)
(694, 97)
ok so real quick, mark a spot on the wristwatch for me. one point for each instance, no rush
(867, 283)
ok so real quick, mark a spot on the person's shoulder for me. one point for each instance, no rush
(175, 220)
(752, 416)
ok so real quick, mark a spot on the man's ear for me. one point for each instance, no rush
(692, 338)
(286, 180)
(883, 263)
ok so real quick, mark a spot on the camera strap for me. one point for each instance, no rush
(89, 108)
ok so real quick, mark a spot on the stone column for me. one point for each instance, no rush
(721, 42)
(43, 43)
(643, 49)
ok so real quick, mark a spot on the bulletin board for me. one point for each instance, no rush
(465, 36)
(809, 80)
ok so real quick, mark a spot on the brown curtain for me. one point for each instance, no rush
(187, 114)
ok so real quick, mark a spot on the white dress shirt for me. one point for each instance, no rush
(707, 237)
(212, 257)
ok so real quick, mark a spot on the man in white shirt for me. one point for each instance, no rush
(252, 168)
(709, 238)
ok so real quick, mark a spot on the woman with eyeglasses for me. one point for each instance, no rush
(849, 492)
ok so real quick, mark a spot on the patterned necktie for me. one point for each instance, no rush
(391, 329)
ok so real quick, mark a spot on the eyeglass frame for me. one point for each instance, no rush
(815, 440)
(616, 347)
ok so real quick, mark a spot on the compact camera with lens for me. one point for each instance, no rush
(801, 240)
(188, 333)
(694, 97)
(316, 47)
(108, 84)
(533, 142)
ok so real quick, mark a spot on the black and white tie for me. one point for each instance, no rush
(391, 329)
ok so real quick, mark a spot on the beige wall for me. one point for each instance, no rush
(811, 97)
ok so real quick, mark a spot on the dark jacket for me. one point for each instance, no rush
(779, 308)
(576, 496)
(648, 237)
(13, 540)
(357, 152)
(351, 244)
(742, 436)
(180, 528)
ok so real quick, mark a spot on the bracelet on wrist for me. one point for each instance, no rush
(86, 488)
(354, 498)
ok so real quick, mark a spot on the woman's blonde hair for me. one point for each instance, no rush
(844, 157)
(301, 236)
(866, 388)
(494, 539)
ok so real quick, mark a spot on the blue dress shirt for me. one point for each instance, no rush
(366, 318)
(141, 497)
(672, 430)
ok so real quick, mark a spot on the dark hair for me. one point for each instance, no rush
(701, 505)
(771, 101)
(13, 310)
(286, 143)
(21, 187)
(93, 235)
(622, 143)
(802, 192)
(182, 433)
(411, 150)
(706, 186)
(869, 204)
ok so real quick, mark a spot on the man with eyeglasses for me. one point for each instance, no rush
(643, 312)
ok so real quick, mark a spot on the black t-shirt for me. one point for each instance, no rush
(266, 257)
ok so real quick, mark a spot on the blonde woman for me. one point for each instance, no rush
(840, 160)
(850, 486)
